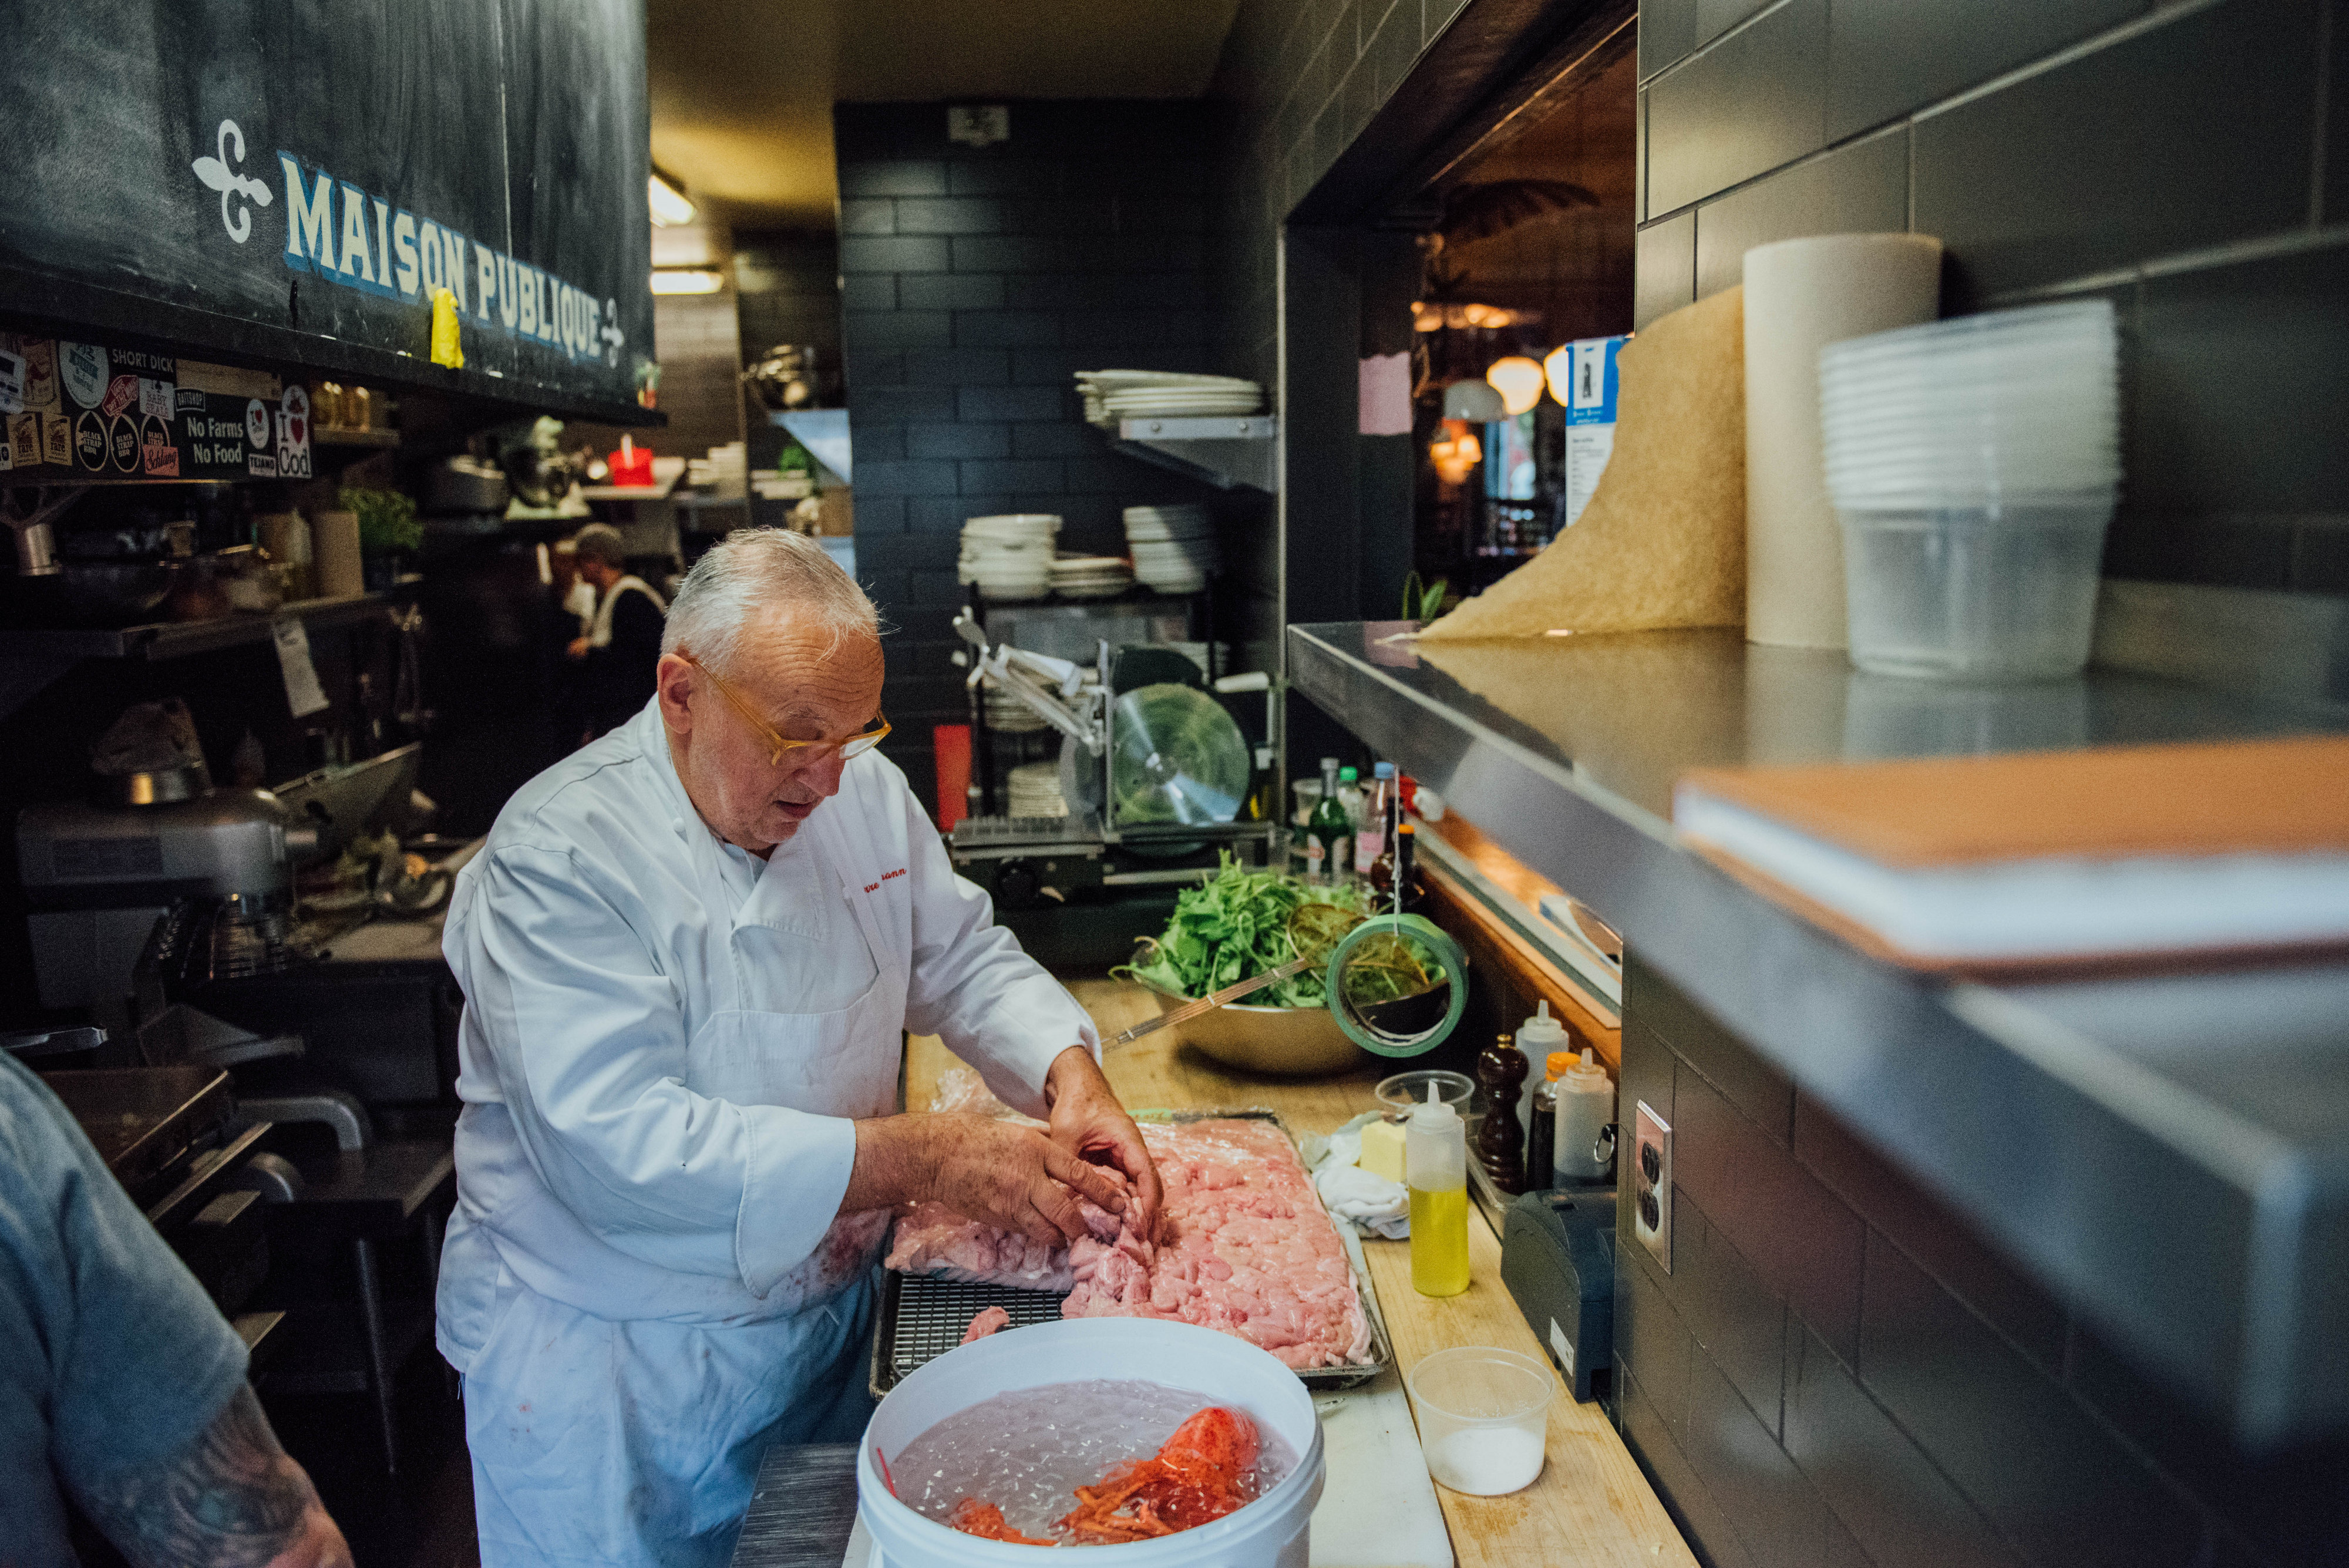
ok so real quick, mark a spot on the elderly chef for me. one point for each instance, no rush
(688, 953)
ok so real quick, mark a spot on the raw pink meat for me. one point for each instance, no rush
(1243, 1246)
(984, 1321)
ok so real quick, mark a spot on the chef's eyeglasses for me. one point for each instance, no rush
(776, 746)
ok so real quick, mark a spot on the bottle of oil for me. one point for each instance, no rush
(1435, 1168)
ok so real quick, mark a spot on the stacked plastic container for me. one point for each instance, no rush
(1974, 463)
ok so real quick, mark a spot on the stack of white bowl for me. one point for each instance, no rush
(1173, 547)
(1036, 791)
(1974, 464)
(1114, 395)
(1009, 556)
(1091, 576)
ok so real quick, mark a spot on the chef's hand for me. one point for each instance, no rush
(1089, 1122)
(997, 1172)
(578, 649)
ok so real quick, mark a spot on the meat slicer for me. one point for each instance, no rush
(1157, 772)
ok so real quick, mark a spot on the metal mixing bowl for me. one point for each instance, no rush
(113, 593)
(1294, 1042)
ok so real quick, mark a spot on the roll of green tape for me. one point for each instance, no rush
(1404, 1024)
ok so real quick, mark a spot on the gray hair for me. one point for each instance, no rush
(754, 569)
(601, 542)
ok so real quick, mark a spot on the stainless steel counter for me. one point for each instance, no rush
(2171, 1154)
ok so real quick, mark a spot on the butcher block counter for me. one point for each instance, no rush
(1591, 1505)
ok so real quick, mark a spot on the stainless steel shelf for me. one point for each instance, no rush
(2171, 1154)
(1224, 451)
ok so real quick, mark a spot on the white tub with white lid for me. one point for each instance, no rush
(1270, 1533)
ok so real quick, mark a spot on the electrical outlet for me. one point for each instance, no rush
(1651, 1185)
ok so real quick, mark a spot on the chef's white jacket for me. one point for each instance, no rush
(666, 1040)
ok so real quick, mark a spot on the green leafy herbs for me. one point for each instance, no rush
(1236, 925)
(386, 520)
(1423, 601)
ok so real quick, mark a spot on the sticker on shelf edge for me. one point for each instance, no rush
(82, 368)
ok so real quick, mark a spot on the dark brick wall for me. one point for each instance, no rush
(1298, 81)
(787, 290)
(1840, 1371)
(2190, 160)
(974, 283)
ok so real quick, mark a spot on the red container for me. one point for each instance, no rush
(631, 467)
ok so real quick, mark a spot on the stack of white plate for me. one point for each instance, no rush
(1974, 463)
(1007, 715)
(1092, 577)
(1173, 547)
(1036, 791)
(1114, 395)
(1009, 556)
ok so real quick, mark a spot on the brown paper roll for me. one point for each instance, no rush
(1800, 296)
(334, 548)
(1662, 542)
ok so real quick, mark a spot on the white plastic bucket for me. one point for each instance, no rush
(1270, 1533)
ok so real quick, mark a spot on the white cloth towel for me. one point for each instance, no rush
(1371, 1202)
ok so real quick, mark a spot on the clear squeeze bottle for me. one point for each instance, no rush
(1435, 1168)
(1586, 1103)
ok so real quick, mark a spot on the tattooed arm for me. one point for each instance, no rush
(231, 1499)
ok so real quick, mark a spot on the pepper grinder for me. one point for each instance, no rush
(1500, 1138)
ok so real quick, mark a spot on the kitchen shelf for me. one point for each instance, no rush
(320, 436)
(178, 639)
(1224, 451)
(2170, 1153)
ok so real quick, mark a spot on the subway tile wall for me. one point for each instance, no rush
(1839, 1370)
(2188, 160)
(974, 282)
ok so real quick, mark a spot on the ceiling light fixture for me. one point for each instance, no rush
(672, 208)
(1557, 370)
(686, 280)
(1454, 450)
(1518, 381)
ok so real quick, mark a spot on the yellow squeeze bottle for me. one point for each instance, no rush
(1436, 1161)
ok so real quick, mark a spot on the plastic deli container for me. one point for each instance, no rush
(1273, 1532)
(1484, 1418)
(1973, 464)
(1974, 592)
(1401, 1091)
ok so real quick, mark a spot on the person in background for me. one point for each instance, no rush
(572, 592)
(621, 647)
(120, 1382)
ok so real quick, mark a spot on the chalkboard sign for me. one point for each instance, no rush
(320, 171)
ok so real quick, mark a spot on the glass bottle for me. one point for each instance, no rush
(1541, 1125)
(1401, 860)
(1330, 832)
(1378, 819)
